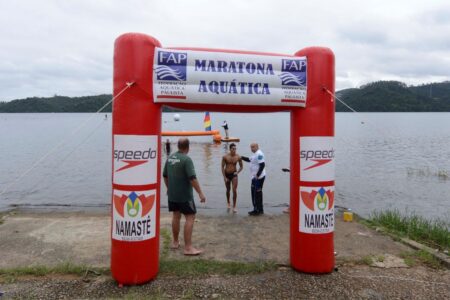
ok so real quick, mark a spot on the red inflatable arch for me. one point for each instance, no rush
(146, 76)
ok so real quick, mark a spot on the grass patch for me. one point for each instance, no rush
(432, 233)
(427, 172)
(380, 258)
(188, 294)
(3, 217)
(421, 257)
(204, 267)
(409, 259)
(5, 214)
(166, 239)
(366, 260)
(167, 267)
(61, 269)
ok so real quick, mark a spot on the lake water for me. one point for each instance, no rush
(383, 160)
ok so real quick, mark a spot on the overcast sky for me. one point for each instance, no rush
(66, 47)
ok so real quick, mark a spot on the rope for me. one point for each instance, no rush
(337, 98)
(62, 161)
(128, 85)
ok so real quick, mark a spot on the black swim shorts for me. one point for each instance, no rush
(230, 176)
(186, 208)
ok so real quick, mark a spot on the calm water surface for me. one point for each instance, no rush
(383, 160)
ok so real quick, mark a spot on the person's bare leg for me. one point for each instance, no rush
(188, 228)
(176, 217)
(235, 185)
(228, 186)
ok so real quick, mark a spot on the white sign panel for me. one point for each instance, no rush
(317, 158)
(134, 215)
(186, 76)
(135, 159)
(316, 210)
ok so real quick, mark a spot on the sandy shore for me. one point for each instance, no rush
(84, 238)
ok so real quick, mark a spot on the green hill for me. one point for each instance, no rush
(57, 104)
(61, 104)
(434, 90)
(380, 96)
(394, 96)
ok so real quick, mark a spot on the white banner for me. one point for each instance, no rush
(185, 76)
(135, 159)
(317, 158)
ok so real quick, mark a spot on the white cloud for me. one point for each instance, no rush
(66, 47)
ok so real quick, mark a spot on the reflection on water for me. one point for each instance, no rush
(391, 160)
(207, 155)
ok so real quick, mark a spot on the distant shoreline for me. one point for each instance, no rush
(380, 96)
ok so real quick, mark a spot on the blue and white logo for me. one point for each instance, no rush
(171, 66)
(293, 72)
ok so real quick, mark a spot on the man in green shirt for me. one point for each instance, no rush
(179, 177)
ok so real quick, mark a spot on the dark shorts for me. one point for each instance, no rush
(230, 176)
(186, 208)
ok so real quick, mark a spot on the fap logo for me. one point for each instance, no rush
(135, 159)
(316, 210)
(171, 66)
(134, 215)
(293, 72)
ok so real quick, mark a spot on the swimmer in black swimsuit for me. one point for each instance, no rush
(230, 174)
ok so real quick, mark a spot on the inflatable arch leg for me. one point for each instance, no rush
(312, 132)
(136, 138)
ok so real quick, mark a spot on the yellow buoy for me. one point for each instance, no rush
(348, 216)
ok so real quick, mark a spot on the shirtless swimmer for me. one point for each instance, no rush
(230, 173)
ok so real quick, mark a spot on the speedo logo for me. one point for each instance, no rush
(319, 157)
(133, 158)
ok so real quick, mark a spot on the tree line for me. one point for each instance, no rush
(62, 104)
(379, 96)
(394, 96)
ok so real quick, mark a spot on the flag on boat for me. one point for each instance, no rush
(207, 122)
